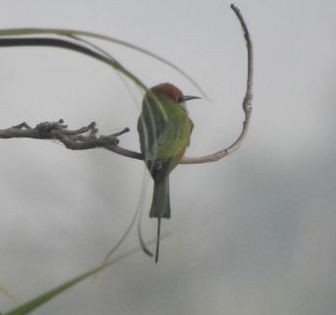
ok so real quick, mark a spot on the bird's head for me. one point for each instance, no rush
(172, 92)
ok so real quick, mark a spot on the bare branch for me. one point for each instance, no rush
(247, 103)
(81, 139)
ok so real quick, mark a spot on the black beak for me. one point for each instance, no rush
(185, 98)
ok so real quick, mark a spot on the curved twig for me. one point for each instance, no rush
(247, 103)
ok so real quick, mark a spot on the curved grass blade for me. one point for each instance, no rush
(70, 33)
(66, 44)
(37, 302)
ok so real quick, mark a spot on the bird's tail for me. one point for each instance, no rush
(160, 206)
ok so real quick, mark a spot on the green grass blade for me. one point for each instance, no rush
(70, 32)
(66, 44)
(35, 303)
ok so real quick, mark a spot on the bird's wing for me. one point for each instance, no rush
(173, 140)
(164, 132)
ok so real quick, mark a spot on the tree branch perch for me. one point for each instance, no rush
(81, 139)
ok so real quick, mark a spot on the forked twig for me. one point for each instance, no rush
(80, 139)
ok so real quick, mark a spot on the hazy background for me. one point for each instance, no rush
(251, 234)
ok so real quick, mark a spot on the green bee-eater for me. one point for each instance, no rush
(164, 129)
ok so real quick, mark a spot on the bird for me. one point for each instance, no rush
(164, 129)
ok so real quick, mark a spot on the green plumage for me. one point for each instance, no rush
(164, 131)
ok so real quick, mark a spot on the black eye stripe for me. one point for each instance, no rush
(180, 99)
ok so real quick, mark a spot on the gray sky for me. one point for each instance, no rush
(252, 234)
